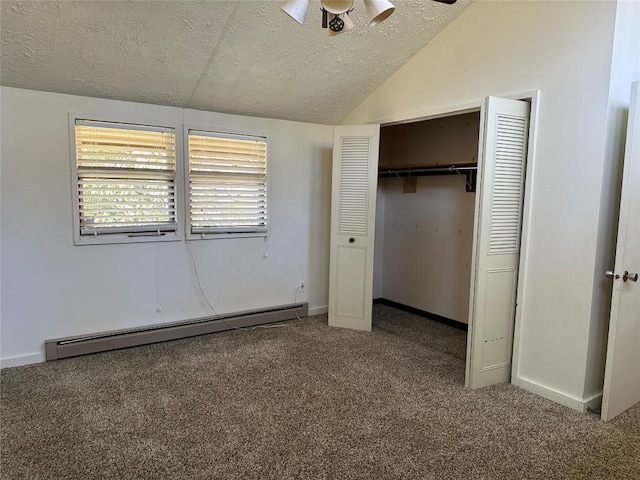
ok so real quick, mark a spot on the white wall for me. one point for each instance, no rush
(51, 288)
(565, 50)
(427, 245)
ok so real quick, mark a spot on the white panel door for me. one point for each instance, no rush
(353, 211)
(622, 371)
(502, 155)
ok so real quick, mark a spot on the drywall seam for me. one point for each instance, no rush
(214, 52)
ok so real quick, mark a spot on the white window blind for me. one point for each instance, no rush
(227, 183)
(126, 178)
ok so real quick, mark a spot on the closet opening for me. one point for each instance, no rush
(425, 221)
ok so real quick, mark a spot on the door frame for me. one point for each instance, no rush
(533, 97)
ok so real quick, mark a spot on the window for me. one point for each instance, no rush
(126, 178)
(227, 183)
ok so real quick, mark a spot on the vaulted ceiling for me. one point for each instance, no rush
(241, 57)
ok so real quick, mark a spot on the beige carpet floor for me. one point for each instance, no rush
(300, 402)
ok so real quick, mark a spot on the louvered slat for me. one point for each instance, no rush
(227, 183)
(118, 147)
(508, 184)
(354, 192)
(126, 178)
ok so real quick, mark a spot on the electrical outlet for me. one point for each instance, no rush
(302, 287)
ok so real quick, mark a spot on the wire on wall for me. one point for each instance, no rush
(265, 254)
(156, 254)
(217, 315)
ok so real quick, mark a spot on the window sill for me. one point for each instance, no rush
(215, 236)
(121, 238)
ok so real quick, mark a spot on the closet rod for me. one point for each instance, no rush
(420, 171)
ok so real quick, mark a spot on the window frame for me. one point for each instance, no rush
(126, 237)
(232, 133)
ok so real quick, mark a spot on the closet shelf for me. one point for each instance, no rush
(469, 170)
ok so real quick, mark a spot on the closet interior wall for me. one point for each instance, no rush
(424, 239)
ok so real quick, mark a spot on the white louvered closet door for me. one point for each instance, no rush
(496, 247)
(353, 205)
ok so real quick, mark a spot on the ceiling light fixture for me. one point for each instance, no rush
(337, 7)
(339, 24)
(378, 10)
(335, 13)
(296, 9)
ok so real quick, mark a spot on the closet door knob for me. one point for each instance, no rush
(351, 240)
(630, 276)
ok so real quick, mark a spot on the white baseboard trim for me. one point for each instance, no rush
(581, 405)
(20, 360)
(594, 402)
(318, 310)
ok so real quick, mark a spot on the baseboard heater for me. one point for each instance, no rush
(133, 337)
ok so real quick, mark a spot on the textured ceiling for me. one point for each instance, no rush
(242, 57)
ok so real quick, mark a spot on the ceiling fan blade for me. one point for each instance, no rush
(448, 2)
